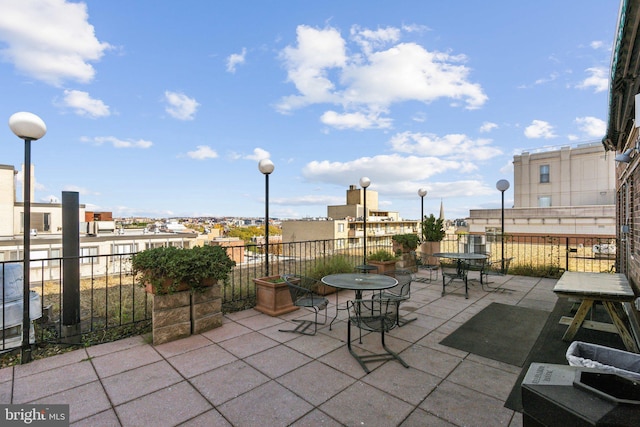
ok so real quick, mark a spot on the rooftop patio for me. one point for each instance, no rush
(248, 373)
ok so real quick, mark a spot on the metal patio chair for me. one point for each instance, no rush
(399, 293)
(494, 268)
(374, 315)
(302, 290)
(421, 264)
(457, 271)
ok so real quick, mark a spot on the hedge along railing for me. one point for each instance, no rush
(541, 255)
(113, 305)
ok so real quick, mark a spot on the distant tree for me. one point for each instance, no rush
(433, 229)
(247, 233)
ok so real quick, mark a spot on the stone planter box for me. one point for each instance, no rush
(183, 313)
(407, 261)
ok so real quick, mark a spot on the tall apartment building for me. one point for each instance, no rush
(565, 192)
(347, 222)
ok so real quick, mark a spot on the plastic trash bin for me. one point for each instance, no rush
(604, 358)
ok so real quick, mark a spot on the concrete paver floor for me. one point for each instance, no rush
(247, 373)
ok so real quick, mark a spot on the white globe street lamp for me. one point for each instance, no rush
(422, 192)
(266, 166)
(502, 186)
(29, 127)
(364, 183)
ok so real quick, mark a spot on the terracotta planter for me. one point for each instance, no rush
(384, 266)
(272, 296)
(323, 289)
(428, 248)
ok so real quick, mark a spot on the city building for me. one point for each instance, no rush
(565, 192)
(348, 222)
(99, 234)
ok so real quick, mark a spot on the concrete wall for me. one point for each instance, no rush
(584, 175)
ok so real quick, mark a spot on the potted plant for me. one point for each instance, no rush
(404, 245)
(384, 260)
(168, 269)
(433, 232)
(405, 242)
(185, 284)
(273, 296)
(335, 264)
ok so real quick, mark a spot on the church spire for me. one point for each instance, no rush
(441, 210)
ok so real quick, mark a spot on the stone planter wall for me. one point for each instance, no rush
(181, 314)
(407, 261)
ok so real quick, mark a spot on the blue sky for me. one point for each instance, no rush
(164, 108)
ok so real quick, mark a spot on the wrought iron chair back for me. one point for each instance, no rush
(302, 290)
(373, 315)
(399, 293)
(456, 272)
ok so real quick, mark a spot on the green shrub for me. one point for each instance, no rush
(178, 265)
(331, 265)
(530, 270)
(408, 241)
(382, 255)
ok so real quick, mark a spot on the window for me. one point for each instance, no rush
(40, 221)
(152, 245)
(86, 255)
(56, 258)
(544, 201)
(123, 249)
(544, 174)
(340, 228)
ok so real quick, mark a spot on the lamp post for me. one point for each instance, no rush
(422, 192)
(364, 183)
(502, 186)
(266, 166)
(29, 127)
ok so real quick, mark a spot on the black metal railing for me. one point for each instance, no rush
(113, 305)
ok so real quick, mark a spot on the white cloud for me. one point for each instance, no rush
(257, 155)
(592, 126)
(306, 200)
(355, 120)
(235, 59)
(374, 39)
(308, 64)
(367, 81)
(488, 127)
(84, 105)
(203, 152)
(180, 106)
(83, 191)
(50, 40)
(118, 143)
(455, 146)
(550, 78)
(597, 44)
(395, 168)
(597, 79)
(539, 129)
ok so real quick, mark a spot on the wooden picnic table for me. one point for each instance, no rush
(613, 290)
